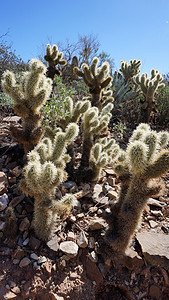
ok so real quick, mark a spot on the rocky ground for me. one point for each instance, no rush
(71, 266)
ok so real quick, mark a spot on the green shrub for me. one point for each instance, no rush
(54, 108)
(162, 105)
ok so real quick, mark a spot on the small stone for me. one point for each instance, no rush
(70, 236)
(3, 183)
(35, 265)
(153, 224)
(110, 172)
(97, 191)
(111, 180)
(69, 248)
(74, 275)
(97, 224)
(79, 216)
(7, 286)
(24, 225)
(34, 256)
(3, 201)
(12, 119)
(82, 240)
(42, 260)
(16, 261)
(68, 185)
(100, 212)
(112, 194)
(2, 225)
(93, 209)
(53, 244)
(91, 242)
(18, 254)
(106, 187)
(93, 257)
(17, 171)
(15, 201)
(56, 297)
(25, 242)
(47, 267)
(34, 243)
(155, 292)
(9, 295)
(72, 219)
(154, 202)
(157, 213)
(24, 262)
(16, 290)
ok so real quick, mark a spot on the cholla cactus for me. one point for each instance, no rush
(54, 58)
(144, 159)
(148, 87)
(96, 79)
(44, 172)
(72, 112)
(93, 123)
(29, 96)
(101, 155)
(130, 69)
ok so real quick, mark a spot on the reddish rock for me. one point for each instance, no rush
(34, 243)
(18, 254)
(132, 260)
(155, 292)
(15, 201)
(155, 248)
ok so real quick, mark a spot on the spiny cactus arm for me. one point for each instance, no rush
(80, 108)
(88, 77)
(11, 88)
(163, 138)
(63, 139)
(137, 156)
(25, 188)
(150, 139)
(102, 72)
(159, 166)
(106, 83)
(51, 133)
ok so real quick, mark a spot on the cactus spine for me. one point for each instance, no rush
(96, 79)
(29, 96)
(44, 172)
(144, 159)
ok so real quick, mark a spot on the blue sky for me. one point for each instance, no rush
(126, 29)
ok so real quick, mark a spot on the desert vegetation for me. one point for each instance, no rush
(78, 118)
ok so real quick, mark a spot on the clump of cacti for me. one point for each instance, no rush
(144, 159)
(72, 112)
(29, 96)
(148, 87)
(130, 69)
(96, 79)
(44, 172)
(101, 155)
(54, 58)
(93, 124)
